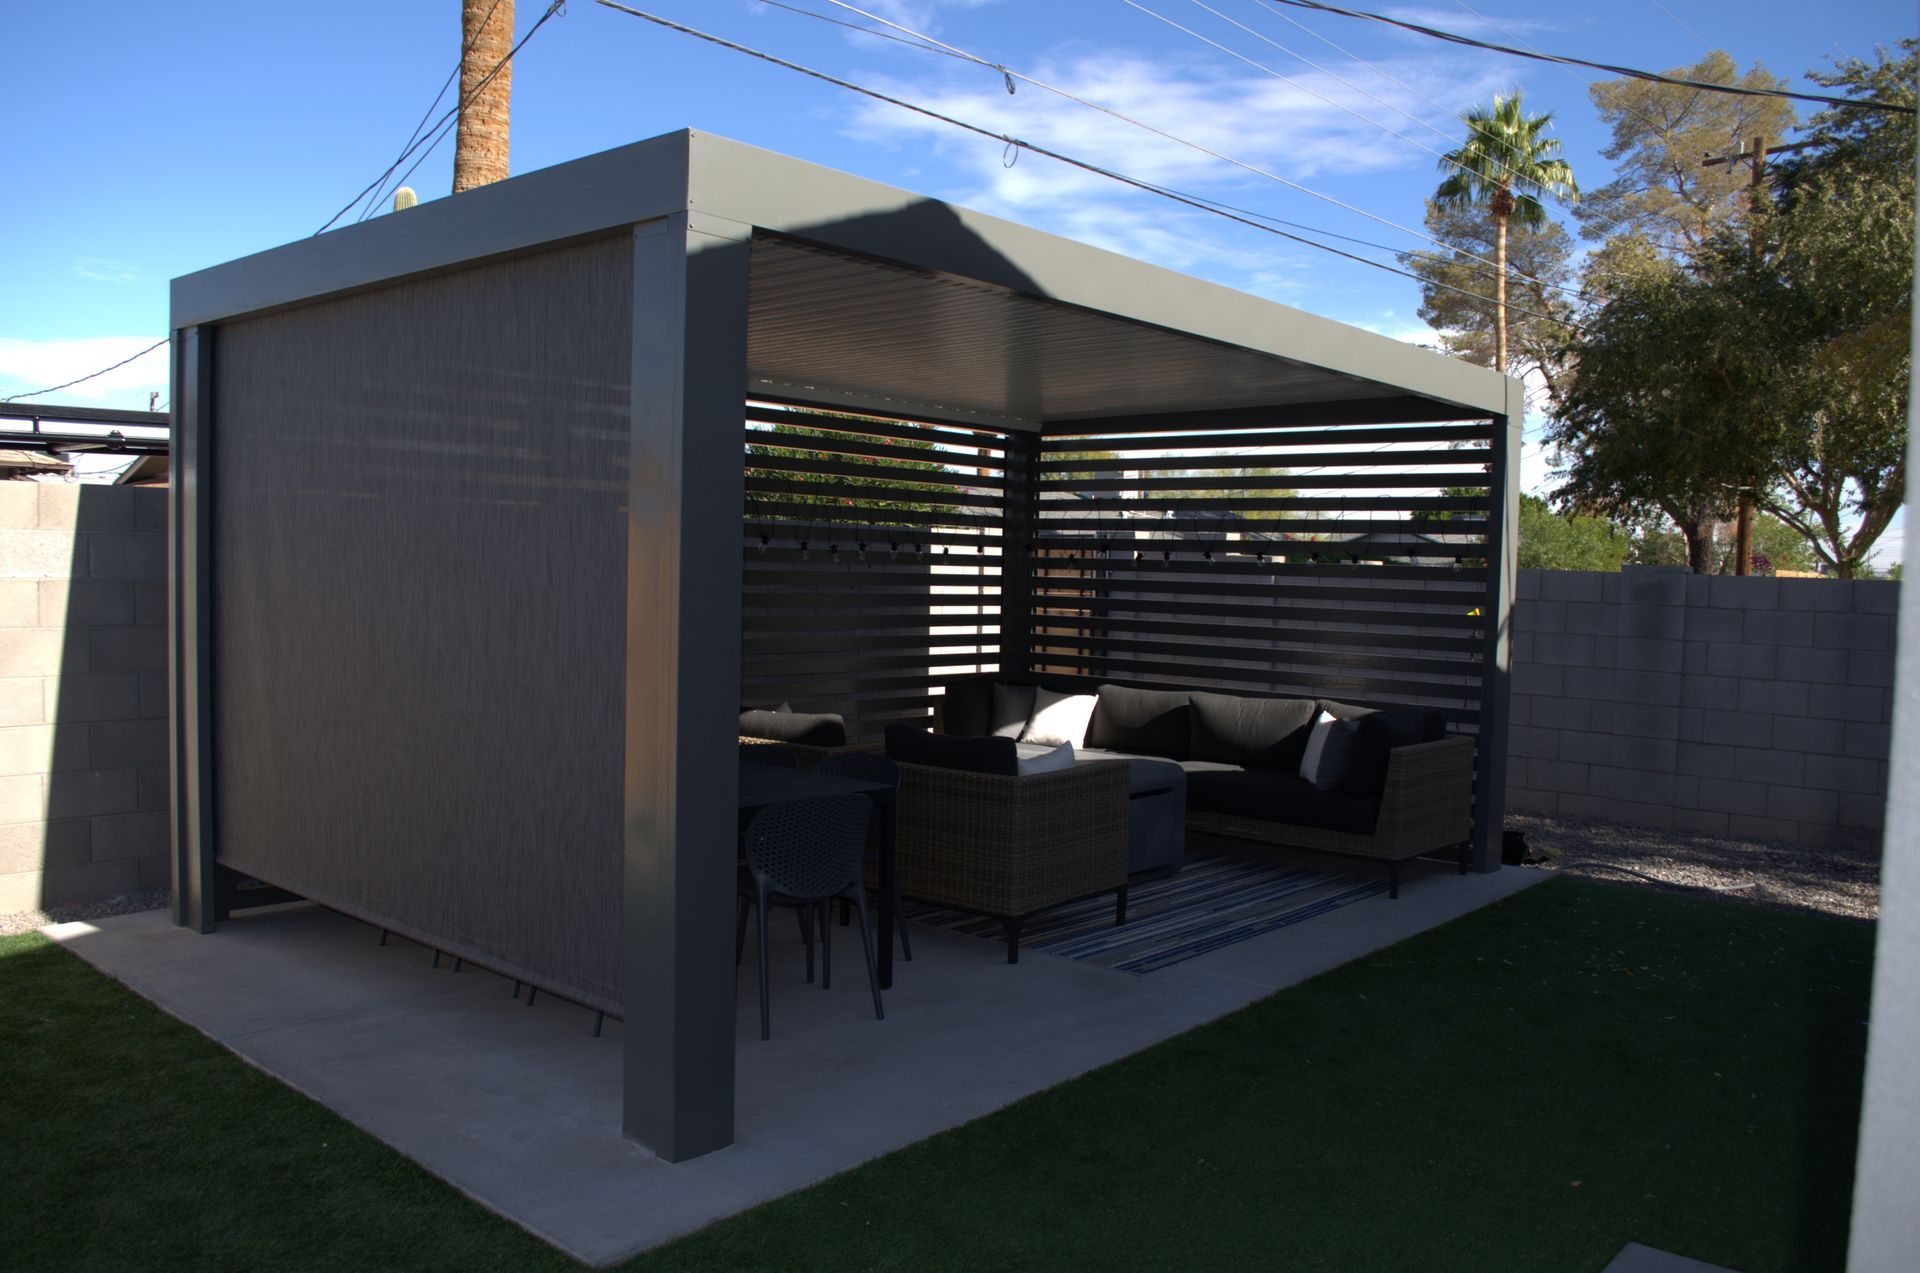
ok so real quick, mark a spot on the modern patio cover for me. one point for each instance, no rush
(458, 567)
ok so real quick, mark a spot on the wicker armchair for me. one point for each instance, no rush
(1426, 805)
(1009, 846)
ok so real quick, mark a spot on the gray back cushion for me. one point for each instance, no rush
(910, 744)
(966, 709)
(1142, 722)
(1260, 733)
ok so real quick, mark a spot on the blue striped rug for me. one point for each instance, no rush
(1213, 902)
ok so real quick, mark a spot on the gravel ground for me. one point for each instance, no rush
(1831, 881)
(27, 921)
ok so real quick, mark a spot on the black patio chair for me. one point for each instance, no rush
(770, 754)
(805, 854)
(872, 768)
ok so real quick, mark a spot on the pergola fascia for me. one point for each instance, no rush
(695, 206)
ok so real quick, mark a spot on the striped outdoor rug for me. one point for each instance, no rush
(1213, 902)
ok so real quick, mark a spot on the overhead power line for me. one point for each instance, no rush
(373, 201)
(1084, 165)
(91, 375)
(1652, 77)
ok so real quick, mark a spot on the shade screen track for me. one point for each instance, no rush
(1335, 563)
(872, 562)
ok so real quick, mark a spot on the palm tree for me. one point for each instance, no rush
(480, 134)
(1507, 164)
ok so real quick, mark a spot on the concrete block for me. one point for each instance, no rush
(1661, 623)
(19, 890)
(1758, 826)
(21, 799)
(1858, 809)
(1606, 651)
(1776, 627)
(90, 883)
(34, 846)
(1719, 625)
(1654, 585)
(19, 505)
(1782, 698)
(1869, 667)
(156, 789)
(128, 744)
(1644, 720)
(1563, 648)
(1703, 760)
(1557, 776)
(19, 603)
(149, 508)
(39, 554)
(39, 749)
(1540, 616)
(1646, 654)
(1526, 585)
(1743, 592)
(1647, 687)
(130, 649)
(1520, 709)
(85, 793)
(22, 701)
(1562, 713)
(1741, 659)
(1531, 801)
(1700, 822)
(1520, 647)
(78, 506)
(1693, 725)
(1870, 740)
(1853, 631)
(1693, 660)
(1588, 682)
(1733, 796)
(111, 556)
(1593, 618)
(1526, 741)
(72, 699)
(1812, 665)
(1832, 595)
(153, 694)
(1569, 585)
(1841, 773)
(1763, 764)
(1581, 747)
(149, 601)
(69, 603)
(1686, 791)
(1863, 703)
(1613, 590)
(1640, 814)
(1697, 594)
(1528, 678)
(1653, 754)
(1736, 729)
(1639, 785)
(129, 835)
(1875, 596)
(156, 872)
(1809, 734)
(31, 652)
(1803, 804)
(1721, 693)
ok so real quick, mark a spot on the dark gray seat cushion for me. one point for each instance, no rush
(814, 729)
(914, 745)
(1144, 773)
(1260, 733)
(1143, 722)
(1273, 796)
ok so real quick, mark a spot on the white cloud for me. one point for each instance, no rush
(1461, 21)
(26, 365)
(101, 269)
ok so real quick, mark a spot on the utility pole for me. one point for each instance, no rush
(1757, 156)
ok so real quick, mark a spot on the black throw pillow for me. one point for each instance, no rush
(1143, 722)
(914, 745)
(1377, 734)
(1260, 733)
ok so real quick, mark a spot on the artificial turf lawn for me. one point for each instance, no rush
(1527, 1088)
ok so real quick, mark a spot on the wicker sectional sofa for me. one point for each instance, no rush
(1408, 792)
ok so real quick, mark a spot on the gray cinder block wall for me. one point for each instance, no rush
(83, 694)
(1745, 707)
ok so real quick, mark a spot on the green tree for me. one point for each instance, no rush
(1568, 541)
(1507, 163)
(1778, 546)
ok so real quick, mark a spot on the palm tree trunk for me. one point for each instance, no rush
(1500, 291)
(480, 135)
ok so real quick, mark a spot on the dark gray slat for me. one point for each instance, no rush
(1124, 529)
(1226, 518)
(962, 425)
(1376, 595)
(1390, 409)
(889, 473)
(1356, 503)
(1302, 614)
(1221, 652)
(1235, 561)
(832, 647)
(1225, 482)
(952, 495)
(875, 428)
(845, 515)
(1459, 717)
(933, 666)
(1201, 532)
(847, 688)
(774, 604)
(786, 537)
(1316, 638)
(1339, 436)
(1299, 481)
(859, 448)
(874, 574)
(1440, 457)
(870, 626)
(1383, 688)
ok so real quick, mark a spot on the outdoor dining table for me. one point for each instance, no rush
(763, 784)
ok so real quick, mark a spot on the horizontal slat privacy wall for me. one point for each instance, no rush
(873, 562)
(1333, 563)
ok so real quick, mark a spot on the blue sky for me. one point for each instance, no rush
(148, 141)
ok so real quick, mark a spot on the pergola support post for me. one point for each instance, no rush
(1017, 562)
(1496, 665)
(683, 682)
(190, 631)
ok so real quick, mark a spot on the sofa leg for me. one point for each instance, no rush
(1393, 880)
(1120, 907)
(1013, 939)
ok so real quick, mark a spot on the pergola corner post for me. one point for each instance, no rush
(683, 682)
(1496, 665)
(190, 631)
(1018, 540)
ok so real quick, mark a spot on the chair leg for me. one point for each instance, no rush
(383, 937)
(805, 915)
(826, 945)
(599, 1019)
(739, 930)
(457, 961)
(866, 946)
(766, 1015)
(1393, 880)
(900, 923)
(532, 990)
(516, 988)
(436, 959)
(1120, 907)
(1013, 938)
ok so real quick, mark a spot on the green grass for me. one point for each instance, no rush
(1528, 1088)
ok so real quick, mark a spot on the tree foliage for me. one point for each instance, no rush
(1568, 541)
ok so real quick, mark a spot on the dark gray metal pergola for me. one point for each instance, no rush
(457, 624)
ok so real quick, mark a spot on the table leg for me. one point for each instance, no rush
(888, 869)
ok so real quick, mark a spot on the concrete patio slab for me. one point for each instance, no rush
(1635, 1258)
(519, 1108)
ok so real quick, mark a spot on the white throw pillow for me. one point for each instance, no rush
(1059, 718)
(1046, 762)
(1012, 705)
(1323, 725)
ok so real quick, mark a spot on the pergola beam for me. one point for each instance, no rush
(1397, 409)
